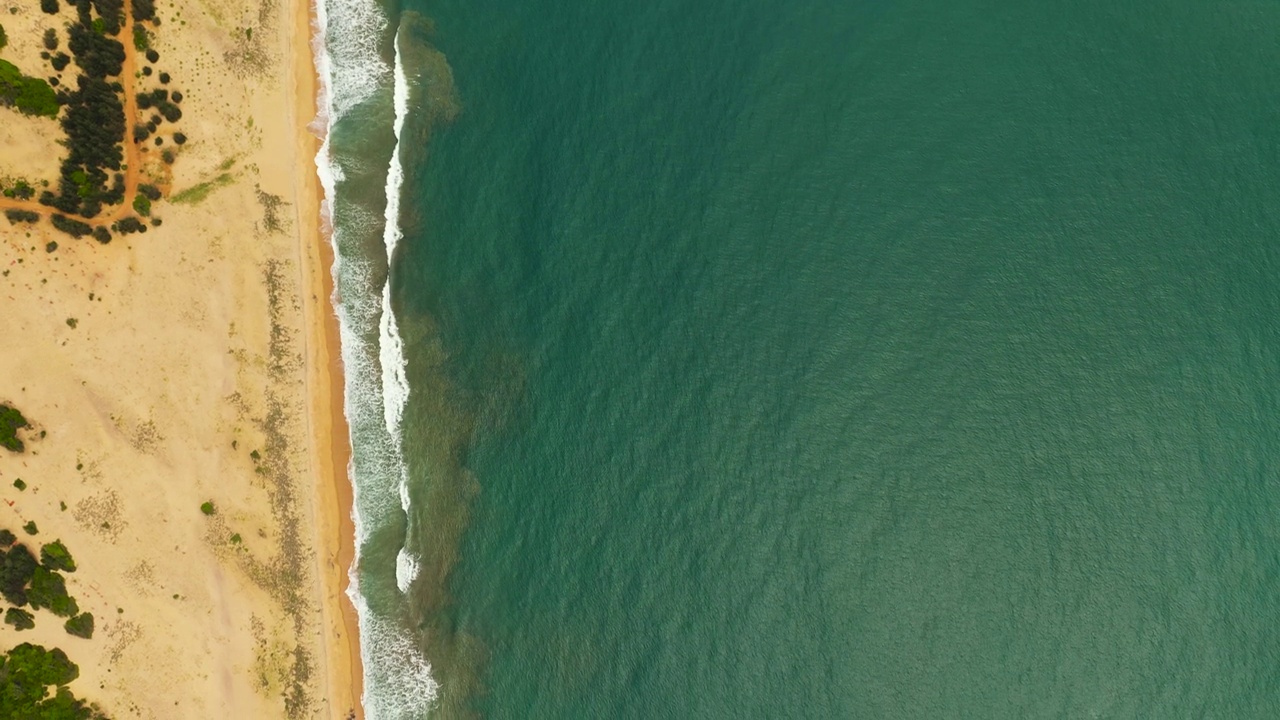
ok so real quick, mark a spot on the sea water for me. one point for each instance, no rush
(810, 359)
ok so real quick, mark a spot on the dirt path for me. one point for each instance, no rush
(132, 157)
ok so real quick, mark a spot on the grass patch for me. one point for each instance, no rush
(197, 193)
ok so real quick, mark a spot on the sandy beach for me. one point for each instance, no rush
(198, 362)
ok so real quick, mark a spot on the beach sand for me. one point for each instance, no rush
(197, 362)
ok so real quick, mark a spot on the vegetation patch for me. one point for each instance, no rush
(16, 216)
(20, 619)
(55, 556)
(31, 96)
(197, 193)
(80, 625)
(10, 422)
(27, 674)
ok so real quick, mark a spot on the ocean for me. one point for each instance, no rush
(877, 358)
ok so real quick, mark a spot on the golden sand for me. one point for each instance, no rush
(197, 362)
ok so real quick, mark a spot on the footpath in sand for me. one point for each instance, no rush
(194, 363)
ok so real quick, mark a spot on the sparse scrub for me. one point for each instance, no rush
(197, 193)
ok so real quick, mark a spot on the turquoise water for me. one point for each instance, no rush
(862, 359)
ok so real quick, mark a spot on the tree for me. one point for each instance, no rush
(81, 625)
(50, 39)
(49, 6)
(55, 556)
(19, 619)
(10, 422)
(16, 571)
(49, 590)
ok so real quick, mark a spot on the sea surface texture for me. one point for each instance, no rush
(857, 359)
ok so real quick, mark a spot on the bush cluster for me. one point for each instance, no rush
(16, 570)
(81, 625)
(10, 422)
(31, 96)
(20, 619)
(74, 228)
(144, 10)
(94, 119)
(129, 225)
(23, 216)
(26, 674)
(55, 556)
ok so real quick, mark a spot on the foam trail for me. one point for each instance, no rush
(395, 385)
(397, 679)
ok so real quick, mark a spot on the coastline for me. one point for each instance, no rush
(331, 451)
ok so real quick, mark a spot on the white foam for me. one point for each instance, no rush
(407, 567)
(395, 386)
(397, 678)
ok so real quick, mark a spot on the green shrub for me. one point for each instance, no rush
(10, 421)
(49, 6)
(49, 590)
(55, 556)
(74, 228)
(4, 38)
(32, 96)
(25, 677)
(151, 191)
(80, 625)
(21, 216)
(20, 484)
(17, 570)
(207, 508)
(19, 619)
(31, 528)
(50, 39)
(141, 204)
(141, 38)
(7, 538)
(144, 10)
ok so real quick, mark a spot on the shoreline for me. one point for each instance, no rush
(331, 450)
